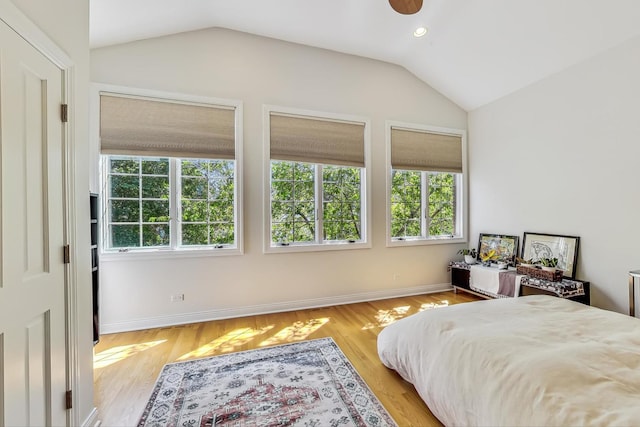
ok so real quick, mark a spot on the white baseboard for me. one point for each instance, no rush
(204, 316)
(92, 420)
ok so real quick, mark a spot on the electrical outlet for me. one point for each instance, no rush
(177, 297)
(396, 276)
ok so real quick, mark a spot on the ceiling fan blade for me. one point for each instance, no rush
(406, 7)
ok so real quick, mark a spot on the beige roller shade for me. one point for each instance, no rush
(304, 139)
(146, 127)
(425, 151)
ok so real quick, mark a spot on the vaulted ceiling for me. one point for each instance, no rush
(475, 51)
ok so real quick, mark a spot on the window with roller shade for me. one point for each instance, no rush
(426, 184)
(170, 173)
(317, 180)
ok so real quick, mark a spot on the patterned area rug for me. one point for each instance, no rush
(310, 383)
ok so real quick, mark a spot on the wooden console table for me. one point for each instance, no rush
(567, 289)
(575, 290)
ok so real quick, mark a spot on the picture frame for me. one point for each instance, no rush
(565, 248)
(505, 246)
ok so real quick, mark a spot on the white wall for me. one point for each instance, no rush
(256, 70)
(66, 23)
(561, 156)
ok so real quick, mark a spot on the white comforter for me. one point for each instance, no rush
(530, 361)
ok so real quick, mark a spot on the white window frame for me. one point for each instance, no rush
(461, 192)
(173, 251)
(365, 186)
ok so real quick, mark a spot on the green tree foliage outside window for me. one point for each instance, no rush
(141, 193)
(294, 203)
(138, 201)
(341, 203)
(207, 193)
(409, 201)
(406, 203)
(442, 204)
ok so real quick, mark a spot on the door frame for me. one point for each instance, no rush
(25, 28)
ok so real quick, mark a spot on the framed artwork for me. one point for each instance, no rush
(565, 248)
(505, 247)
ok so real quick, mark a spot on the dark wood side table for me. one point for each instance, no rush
(460, 278)
(575, 290)
(527, 289)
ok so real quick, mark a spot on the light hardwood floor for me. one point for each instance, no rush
(126, 365)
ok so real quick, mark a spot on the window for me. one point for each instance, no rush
(317, 182)
(170, 176)
(142, 195)
(294, 207)
(138, 202)
(408, 202)
(206, 207)
(426, 190)
(341, 203)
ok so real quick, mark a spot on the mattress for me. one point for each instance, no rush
(531, 361)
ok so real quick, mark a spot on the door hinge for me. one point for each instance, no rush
(68, 399)
(66, 256)
(64, 113)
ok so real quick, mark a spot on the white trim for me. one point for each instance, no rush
(388, 170)
(227, 313)
(366, 242)
(97, 88)
(174, 221)
(319, 210)
(239, 177)
(316, 115)
(426, 242)
(149, 254)
(266, 178)
(368, 164)
(32, 34)
(71, 225)
(318, 247)
(462, 197)
(178, 252)
(92, 420)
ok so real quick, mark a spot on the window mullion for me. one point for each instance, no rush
(175, 195)
(206, 200)
(106, 208)
(457, 216)
(319, 205)
(424, 203)
(363, 197)
(140, 211)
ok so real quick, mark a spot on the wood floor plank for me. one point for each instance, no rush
(126, 365)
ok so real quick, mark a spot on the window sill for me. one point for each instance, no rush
(154, 254)
(425, 241)
(342, 246)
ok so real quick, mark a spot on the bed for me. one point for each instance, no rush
(531, 361)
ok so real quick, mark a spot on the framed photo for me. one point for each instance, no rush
(505, 247)
(565, 248)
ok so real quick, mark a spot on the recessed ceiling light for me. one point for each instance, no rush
(420, 31)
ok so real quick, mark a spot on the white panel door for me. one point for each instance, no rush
(32, 273)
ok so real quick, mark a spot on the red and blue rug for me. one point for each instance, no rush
(310, 384)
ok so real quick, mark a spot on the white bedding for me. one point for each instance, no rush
(530, 361)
